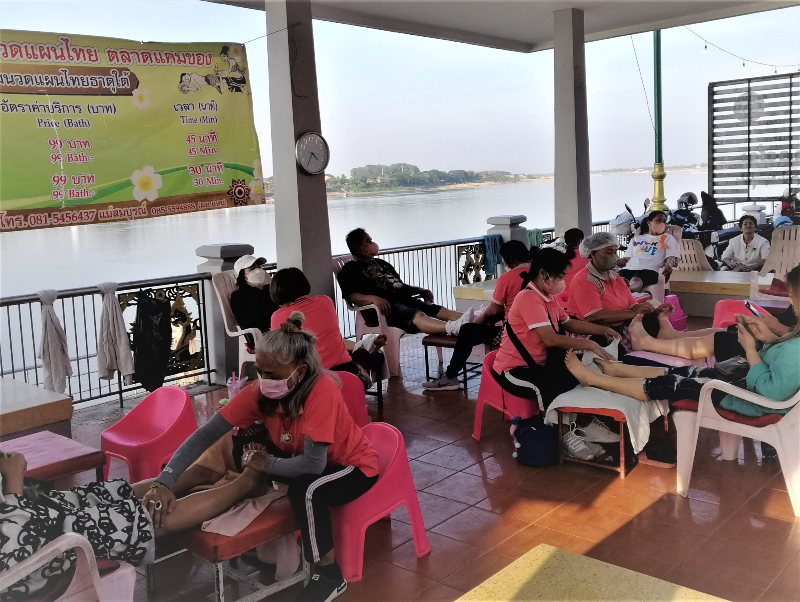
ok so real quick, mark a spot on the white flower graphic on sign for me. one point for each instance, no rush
(146, 184)
(257, 173)
(257, 190)
(141, 98)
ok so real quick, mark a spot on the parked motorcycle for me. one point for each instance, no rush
(684, 217)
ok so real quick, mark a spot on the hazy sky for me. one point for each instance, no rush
(388, 98)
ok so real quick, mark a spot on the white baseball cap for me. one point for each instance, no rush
(246, 261)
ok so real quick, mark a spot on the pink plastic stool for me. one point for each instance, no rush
(725, 312)
(395, 488)
(354, 397)
(492, 394)
(677, 318)
(147, 436)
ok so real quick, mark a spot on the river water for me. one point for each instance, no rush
(77, 256)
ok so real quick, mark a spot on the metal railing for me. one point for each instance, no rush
(79, 311)
(436, 266)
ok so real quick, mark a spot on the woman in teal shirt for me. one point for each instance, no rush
(774, 370)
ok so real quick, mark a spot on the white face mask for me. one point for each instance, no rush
(558, 287)
(257, 277)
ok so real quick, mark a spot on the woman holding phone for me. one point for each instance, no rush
(772, 372)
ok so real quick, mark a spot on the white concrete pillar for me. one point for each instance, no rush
(302, 232)
(573, 197)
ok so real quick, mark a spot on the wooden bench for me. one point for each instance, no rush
(27, 409)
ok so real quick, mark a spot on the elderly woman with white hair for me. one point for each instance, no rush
(600, 295)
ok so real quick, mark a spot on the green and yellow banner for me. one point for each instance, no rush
(96, 130)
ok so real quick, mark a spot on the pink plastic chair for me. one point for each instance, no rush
(395, 488)
(354, 397)
(677, 318)
(725, 312)
(147, 436)
(492, 394)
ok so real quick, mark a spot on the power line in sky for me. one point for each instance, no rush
(741, 58)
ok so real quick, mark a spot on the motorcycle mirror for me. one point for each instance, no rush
(646, 204)
(629, 210)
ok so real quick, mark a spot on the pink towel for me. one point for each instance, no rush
(240, 515)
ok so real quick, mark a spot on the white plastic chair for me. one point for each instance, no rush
(86, 585)
(224, 284)
(783, 435)
(784, 255)
(659, 290)
(393, 335)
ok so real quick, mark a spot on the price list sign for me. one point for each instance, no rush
(96, 129)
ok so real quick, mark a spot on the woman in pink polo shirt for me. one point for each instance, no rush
(601, 296)
(572, 239)
(534, 341)
(290, 289)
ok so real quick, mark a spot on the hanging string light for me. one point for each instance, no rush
(741, 58)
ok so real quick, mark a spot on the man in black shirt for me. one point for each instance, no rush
(368, 280)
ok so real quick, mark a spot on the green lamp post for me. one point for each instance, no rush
(659, 200)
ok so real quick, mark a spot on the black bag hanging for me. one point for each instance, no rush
(152, 340)
(536, 442)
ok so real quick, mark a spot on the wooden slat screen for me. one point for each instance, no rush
(753, 138)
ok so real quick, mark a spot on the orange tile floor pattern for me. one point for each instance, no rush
(735, 536)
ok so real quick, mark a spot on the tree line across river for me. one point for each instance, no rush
(405, 175)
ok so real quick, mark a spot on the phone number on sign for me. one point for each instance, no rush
(36, 220)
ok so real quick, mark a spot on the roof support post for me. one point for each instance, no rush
(302, 232)
(573, 197)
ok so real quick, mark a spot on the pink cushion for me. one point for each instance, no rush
(778, 288)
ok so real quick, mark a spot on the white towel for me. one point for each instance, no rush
(284, 553)
(639, 414)
(113, 346)
(53, 349)
(233, 521)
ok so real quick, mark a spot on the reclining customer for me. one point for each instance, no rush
(485, 329)
(773, 370)
(599, 295)
(534, 340)
(648, 252)
(251, 303)
(367, 280)
(301, 405)
(290, 290)
(112, 515)
(721, 343)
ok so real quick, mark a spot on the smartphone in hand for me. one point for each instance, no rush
(746, 327)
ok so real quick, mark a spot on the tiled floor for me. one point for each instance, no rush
(735, 536)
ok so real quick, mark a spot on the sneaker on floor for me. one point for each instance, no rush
(454, 326)
(442, 384)
(322, 589)
(577, 447)
(598, 432)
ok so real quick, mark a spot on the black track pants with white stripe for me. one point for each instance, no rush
(312, 495)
